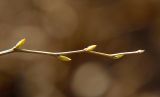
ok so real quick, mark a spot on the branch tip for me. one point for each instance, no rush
(140, 51)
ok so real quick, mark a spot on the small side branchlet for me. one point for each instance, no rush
(62, 55)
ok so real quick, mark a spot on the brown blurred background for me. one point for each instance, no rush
(63, 25)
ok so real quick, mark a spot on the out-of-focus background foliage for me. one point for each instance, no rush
(63, 25)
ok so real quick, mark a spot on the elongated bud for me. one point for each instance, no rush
(20, 43)
(90, 48)
(118, 56)
(64, 58)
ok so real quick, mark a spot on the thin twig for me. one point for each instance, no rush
(49, 53)
(5, 52)
(61, 56)
(116, 54)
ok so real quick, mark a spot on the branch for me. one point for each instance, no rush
(61, 55)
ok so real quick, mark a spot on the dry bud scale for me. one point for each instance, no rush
(62, 55)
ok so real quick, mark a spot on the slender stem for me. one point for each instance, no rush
(66, 53)
(5, 52)
(48, 53)
(128, 53)
(100, 53)
(59, 55)
(111, 55)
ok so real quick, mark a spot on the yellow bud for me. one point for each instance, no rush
(90, 48)
(20, 43)
(118, 56)
(64, 58)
